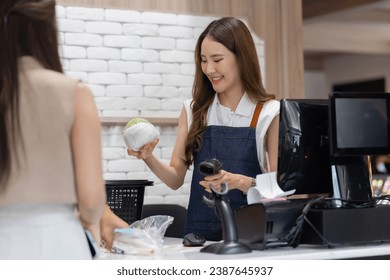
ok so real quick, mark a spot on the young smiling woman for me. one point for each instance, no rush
(230, 117)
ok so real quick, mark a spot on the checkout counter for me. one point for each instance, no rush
(371, 243)
(174, 250)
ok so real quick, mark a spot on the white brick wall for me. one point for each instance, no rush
(135, 63)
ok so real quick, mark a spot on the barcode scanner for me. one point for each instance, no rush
(220, 203)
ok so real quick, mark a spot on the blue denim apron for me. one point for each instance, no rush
(235, 148)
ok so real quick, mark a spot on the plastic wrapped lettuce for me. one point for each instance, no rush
(139, 132)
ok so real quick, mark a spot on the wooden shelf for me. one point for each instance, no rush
(123, 120)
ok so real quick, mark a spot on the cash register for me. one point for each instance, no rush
(324, 148)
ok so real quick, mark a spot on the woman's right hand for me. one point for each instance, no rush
(145, 151)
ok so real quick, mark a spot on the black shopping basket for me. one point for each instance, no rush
(126, 198)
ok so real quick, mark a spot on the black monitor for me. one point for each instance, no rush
(359, 127)
(360, 123)
(303, 157)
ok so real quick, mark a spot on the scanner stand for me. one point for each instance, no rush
(230, 244)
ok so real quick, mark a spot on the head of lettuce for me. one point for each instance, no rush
(139, 132)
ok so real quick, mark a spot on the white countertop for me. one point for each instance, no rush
(174, 250)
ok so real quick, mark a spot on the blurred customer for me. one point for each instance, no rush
(50, 152)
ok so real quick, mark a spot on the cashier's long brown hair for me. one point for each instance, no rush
(236, 37)
(27, 27)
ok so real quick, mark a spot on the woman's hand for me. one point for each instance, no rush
(108, 223)
(145, 151)
(233, 181)
(214, 180)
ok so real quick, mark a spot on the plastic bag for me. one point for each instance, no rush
(143, 237)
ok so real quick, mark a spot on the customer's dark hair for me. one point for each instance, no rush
(28, 27)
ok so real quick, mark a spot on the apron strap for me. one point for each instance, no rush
(256, 115)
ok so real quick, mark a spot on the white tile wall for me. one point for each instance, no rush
(135, 63)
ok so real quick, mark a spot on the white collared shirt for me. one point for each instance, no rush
(219, 115)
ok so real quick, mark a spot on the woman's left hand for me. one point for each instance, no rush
(217, 180)
(108, 223)
(233, 181)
